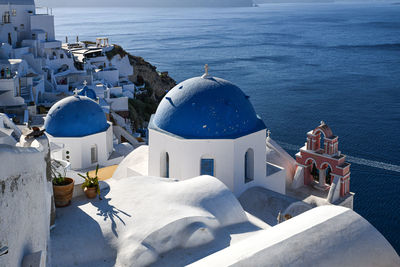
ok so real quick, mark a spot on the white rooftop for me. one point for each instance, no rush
(163, 222)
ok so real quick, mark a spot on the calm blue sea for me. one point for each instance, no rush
(300, 63)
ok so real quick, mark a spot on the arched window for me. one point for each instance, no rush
(207, 166)
(328, 179)
(164, 168)
(315, 173)
(93, 154)
(249, 166)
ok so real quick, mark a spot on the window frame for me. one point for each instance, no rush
(248, 166)
(96, 159)
(212, 165)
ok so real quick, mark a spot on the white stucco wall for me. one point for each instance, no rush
(22, 17)
(109, 76)
(123, 65)
(25, 201)
(45, 23)
(10, 97)
(228, 154)
(6, 29)
(119, 104)
(80, 149)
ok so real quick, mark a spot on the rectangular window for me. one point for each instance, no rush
(207, 167)
(93, 152)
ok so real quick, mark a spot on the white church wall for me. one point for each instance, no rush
(228, 155)
(72, 149)
(79, 149)
(255, 142)
(185, 156)
(25, 201)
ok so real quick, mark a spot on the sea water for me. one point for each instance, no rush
(299, 63)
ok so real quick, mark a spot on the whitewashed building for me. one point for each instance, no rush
(207, 126)
(78, 126)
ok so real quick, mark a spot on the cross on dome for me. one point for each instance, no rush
(85, 83)
(206, 75)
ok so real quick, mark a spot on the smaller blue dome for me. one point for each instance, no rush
(86, 91)
(75, 116)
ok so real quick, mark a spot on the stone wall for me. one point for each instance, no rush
(25, 200)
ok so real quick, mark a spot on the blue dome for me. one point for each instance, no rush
(207, 108)
(86, 91)
(75, 116)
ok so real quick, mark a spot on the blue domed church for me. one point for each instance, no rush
(78, 126)
(208, 126)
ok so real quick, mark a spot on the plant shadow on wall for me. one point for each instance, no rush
(110, 212)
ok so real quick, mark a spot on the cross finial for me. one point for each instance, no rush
(205, 75)
(269, 133)
(85, 83)
(76, 91)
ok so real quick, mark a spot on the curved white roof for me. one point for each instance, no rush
(324, 236)
(141, 218)
(17, 2)
(147, 220)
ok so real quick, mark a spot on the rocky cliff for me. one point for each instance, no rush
(145, 73)
(156, 85)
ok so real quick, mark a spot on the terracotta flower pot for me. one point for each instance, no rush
(90, 192)
(63, 193)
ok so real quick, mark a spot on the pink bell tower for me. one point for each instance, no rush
(323, 162)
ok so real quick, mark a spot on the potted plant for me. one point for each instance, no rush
(63, 187)
(91, 184)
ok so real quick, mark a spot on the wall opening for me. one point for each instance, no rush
(94, 154)
(9, 39)
(315, 173)
(207, 167)
(66, 155)
(249, 166)
(328, 178)
(164, 168)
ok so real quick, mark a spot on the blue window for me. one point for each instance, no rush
(207, 167)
